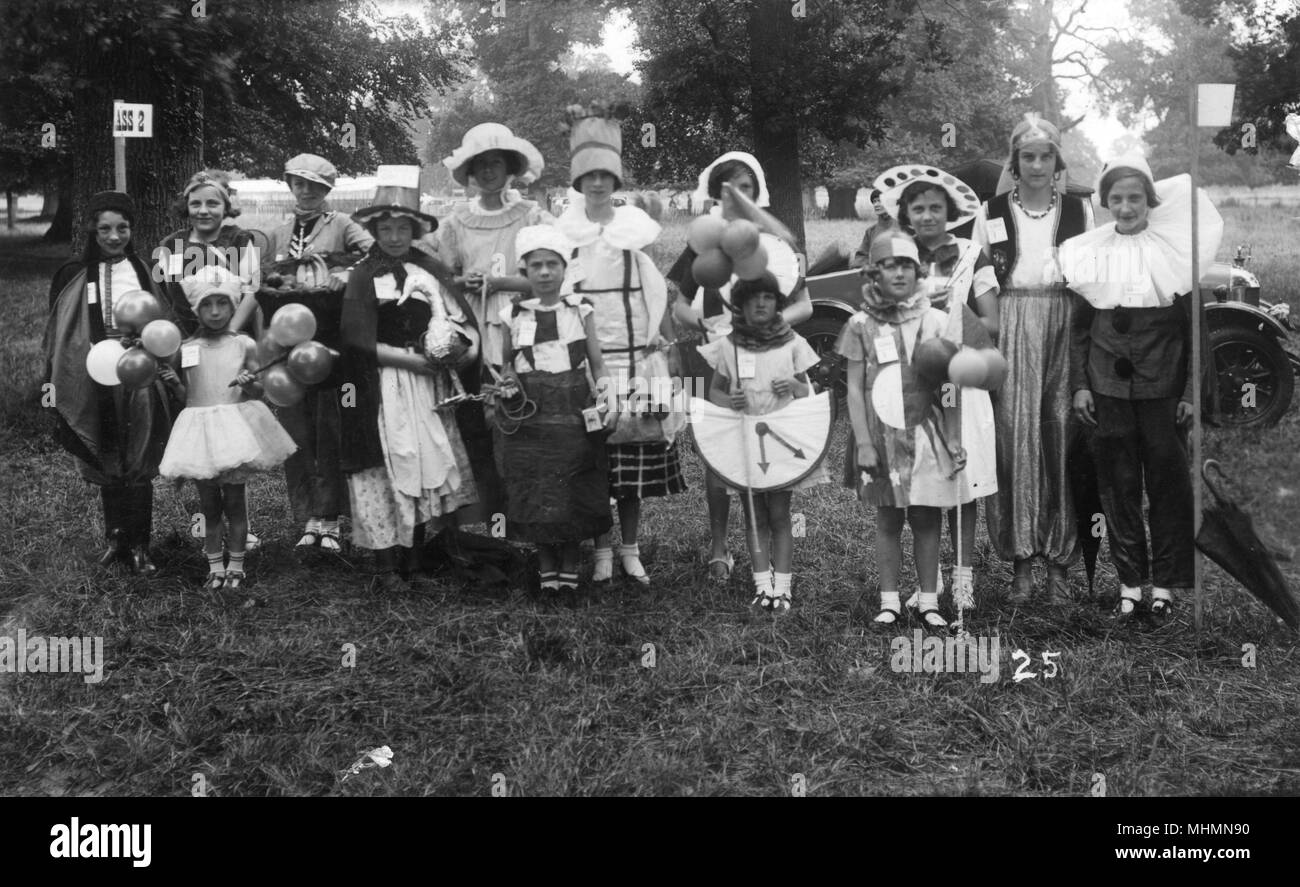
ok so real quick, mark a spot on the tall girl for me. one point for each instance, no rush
(1032, 515)
(930, 203)
(224, 434)
(632, 321)
(477, 241)
(317, 492)
(710, 310)
(404, 457)
(116, 434)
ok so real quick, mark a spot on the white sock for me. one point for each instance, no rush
(763, 582)
(216, 565)
(782, 584)
(929, 601)
(313, 526)
(236, 562)
(330, 526)
(889, 601)
(1161, 594)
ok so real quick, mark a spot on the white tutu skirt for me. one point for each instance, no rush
(226, 443)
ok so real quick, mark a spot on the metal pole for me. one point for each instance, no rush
(1195, 367)
(119, 158)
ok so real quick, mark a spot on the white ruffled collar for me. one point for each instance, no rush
(631, 228)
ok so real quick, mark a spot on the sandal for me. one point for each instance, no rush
(310, 539)
(941, 625)
(630, 559)
(728, 563)
(894, 618)
(1124, 614)
(215, 581)
(1161, 609)
(234, 579)
(329, 541)
(780, 602)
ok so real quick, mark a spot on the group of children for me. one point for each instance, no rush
(538, 313)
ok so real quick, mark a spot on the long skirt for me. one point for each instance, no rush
(557, 473)
(1033, 511)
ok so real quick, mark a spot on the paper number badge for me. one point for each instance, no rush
(997, 230)
(886, 349)
(190, 355)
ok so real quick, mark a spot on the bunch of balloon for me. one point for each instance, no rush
(146, 339)
(291, 360)
(725, 248)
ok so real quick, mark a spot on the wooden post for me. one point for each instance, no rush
(10, 208)
(1198, 600)
(119, 160)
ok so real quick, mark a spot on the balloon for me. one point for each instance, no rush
(931, 359)
(997, 365)
(102, 360)
(310, 362)
(753, 265)
(137, 368)
(281, 388)
(293, 324)
(135, 311)
(268, 349)
(704, 234)
(711, 269)
(161, 338)
(968, 368)
(739, 238)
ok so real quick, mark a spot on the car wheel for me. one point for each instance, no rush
(1255, 379)
(822, 333)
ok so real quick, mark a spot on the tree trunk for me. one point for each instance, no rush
(49, 200)
(157, 167)
(776, 135)
(841, 205)
(11, 208)
(60, 230)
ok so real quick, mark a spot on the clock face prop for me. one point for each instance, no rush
(765, 452)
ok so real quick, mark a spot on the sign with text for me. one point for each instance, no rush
(132, 121)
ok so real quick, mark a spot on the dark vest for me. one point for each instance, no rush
(1072, 220)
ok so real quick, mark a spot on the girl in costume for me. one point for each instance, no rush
(906, 449)
(116, 434)
(404, 457)
(223, 435)
(630, 299)
(1130, 369)
(477, 241)
(710, 311)
(759, 366)
(930, 203)
(555, 467)
(208, 238)
(1032, 514)
(312, 475)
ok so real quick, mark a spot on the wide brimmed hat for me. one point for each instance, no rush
(397, 194)
(893, 244)
(313, 168)
(211, 279)
(1135, 162)
(524, 158)
(542, 237)
(596, 145)
(892, 182)
(761, 197)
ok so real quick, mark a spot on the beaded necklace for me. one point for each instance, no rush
(1015, 195)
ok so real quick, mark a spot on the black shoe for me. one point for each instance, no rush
(117, 549)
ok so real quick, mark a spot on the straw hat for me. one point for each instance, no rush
(522, 157)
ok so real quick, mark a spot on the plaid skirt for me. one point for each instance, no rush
(644, 471)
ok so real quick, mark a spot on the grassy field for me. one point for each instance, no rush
(475, 689)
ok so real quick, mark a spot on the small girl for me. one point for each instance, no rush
(557, 476)
(907, 449)
(222, 436)
(758, 368)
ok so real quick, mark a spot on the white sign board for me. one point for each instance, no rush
(1214, 103)
(132, 121)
